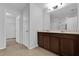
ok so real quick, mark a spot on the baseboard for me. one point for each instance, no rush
(11, 38)
(33, 47)
(2, 48)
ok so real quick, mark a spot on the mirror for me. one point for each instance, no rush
(65, 19)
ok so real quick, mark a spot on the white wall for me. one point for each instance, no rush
(46, 20)
(78, 18)
(2, 29)
(21, 28)
(36, 23)
(17, 29)
(32, 21)
(22, 36)
(26, 26)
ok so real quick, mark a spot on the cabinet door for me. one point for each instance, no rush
(66, 47)
(40, 39)
(46, 40)
(54, 44)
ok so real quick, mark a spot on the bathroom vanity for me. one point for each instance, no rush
(61, 43)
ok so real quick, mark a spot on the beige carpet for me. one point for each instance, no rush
(15, 49)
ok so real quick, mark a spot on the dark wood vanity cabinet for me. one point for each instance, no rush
(43, 40)
(67, 47)
(54, 44)
(62, 44)
(40, 40)
(46, 40)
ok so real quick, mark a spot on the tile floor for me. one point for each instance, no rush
(15, 49)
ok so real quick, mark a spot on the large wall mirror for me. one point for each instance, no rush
(65, 19)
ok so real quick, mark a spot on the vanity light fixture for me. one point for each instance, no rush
(54, 6)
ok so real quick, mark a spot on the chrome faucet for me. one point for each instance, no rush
(65, 28)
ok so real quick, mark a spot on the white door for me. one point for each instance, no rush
(10, 27)
(25, 31)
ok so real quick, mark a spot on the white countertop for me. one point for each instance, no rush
(60, 32)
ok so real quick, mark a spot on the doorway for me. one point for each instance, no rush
(10, 22)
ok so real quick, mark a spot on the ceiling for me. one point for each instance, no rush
(69, 10)
(41, 5)
(13, 6)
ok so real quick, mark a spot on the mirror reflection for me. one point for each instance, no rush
(65, 19)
